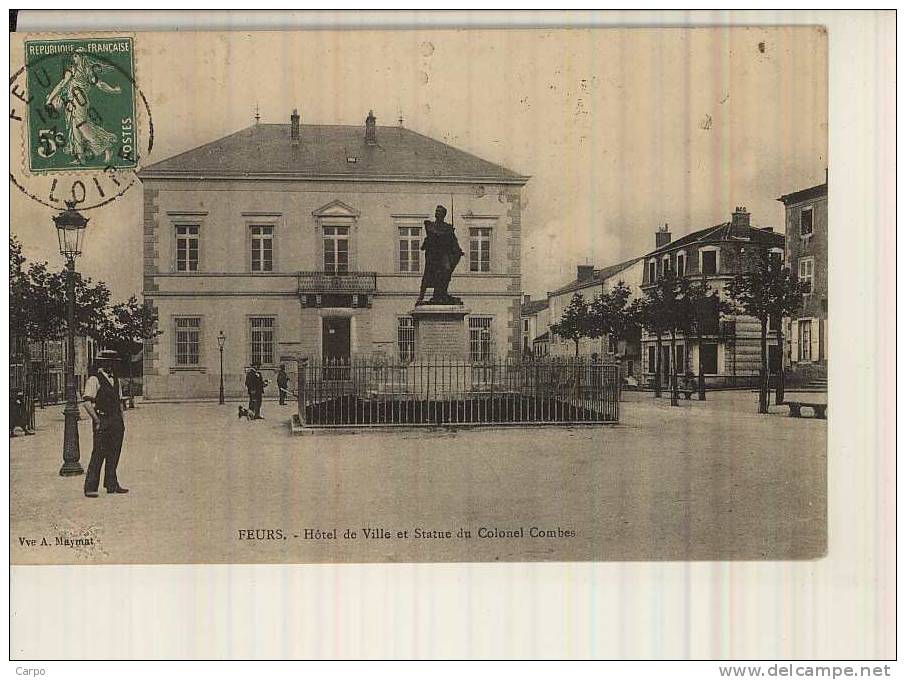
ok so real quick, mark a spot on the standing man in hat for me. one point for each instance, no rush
(254, 383)
(103, 402)
(282, 384)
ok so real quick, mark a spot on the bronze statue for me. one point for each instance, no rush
(442, 254)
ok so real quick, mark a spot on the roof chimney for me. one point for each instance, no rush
(739, 226)
(370, 134)
(294, 127)
(585, 272)
(661, 236)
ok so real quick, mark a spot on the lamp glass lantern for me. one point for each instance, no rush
(70, 231)
(221, 339)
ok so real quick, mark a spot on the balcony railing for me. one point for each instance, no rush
(344, 283)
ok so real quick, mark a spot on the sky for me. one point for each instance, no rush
(621, 130)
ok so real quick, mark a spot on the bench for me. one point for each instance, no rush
(820, 410)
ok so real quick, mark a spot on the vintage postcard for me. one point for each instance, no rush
(419, 296)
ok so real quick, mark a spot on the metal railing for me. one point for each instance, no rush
(21, 394)
(337, 282)
(371, 392)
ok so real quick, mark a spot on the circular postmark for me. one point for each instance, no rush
(83, 123)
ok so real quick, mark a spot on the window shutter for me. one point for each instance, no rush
(816, 335)
(794, 341)
(826, 336)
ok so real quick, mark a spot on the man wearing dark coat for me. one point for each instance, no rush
(282, 384)
(442, 254)
(104, 403)
(254, 383)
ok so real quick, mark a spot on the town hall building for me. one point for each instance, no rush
(296, 240)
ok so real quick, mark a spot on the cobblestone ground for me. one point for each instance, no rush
(711, 480)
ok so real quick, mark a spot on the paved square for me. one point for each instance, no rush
(704, 481)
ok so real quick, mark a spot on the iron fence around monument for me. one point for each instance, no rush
(445, 391)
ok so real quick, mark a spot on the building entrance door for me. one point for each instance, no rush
(335, 347)
(335, 339)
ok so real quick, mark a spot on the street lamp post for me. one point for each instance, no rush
(70, 226)
(221, 340)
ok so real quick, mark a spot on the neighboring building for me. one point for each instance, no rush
(48, 366)
(591, 282)
(535, 321)
(806, 253)
(541, 346)
(731, 345)
(303, 240)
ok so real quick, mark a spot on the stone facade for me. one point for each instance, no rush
(224, 294)
(591, 282)
(719, 253)
(806, 334)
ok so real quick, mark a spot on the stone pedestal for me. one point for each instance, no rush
(440, 332)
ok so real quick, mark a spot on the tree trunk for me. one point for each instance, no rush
(765, 373)
(779, 396)
(657, 367)
(576, 341)
(131, 400)
(674, 388)
(701, 372)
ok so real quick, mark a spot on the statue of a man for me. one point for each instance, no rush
(442, 254)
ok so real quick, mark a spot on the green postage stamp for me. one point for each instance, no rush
(82, 104)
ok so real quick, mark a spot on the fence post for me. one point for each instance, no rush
(300, 387)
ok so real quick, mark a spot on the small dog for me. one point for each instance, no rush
(245, 413)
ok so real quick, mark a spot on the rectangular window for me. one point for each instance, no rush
(187, 247)
(805, 222)
(652, 358)
(262, 247)
(188, 341)
(666, 262)
(680, 265)
(708, 352)
(652, 272)
(410, 253)
(336, 250)
(405, 334)
(262, 337)
(481, 340)
(708, 315)
(805, 340)
(479, 249)
(709, 261)
(680, 359)
(807, 273)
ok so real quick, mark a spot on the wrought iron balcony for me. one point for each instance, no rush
(324, 282)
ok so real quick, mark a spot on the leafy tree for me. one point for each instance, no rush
(32, 310)
(38, 300)
(769, 291)
(651, 314)
(611, 313)
(676, 313)
(705, 310)
(576, 322)
(128, 325)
